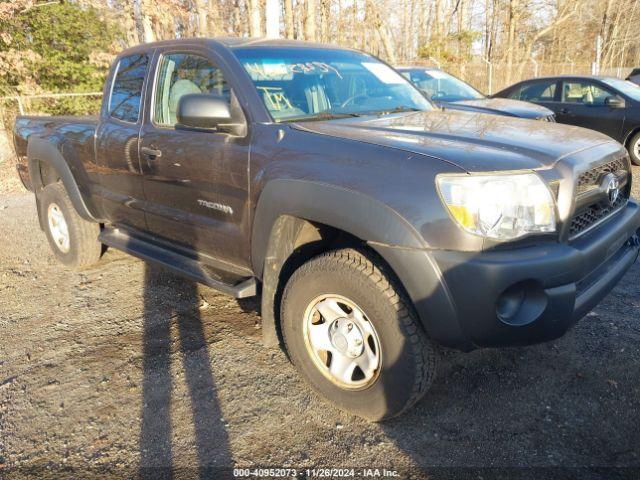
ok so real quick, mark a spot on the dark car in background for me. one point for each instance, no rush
(450, 92)
(607, 104)
(634, 76)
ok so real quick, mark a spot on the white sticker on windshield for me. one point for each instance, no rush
(268, 70)
(275, 69)
(384, 73)
(436, 74)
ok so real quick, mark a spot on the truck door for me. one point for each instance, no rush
(195, 182)
(118, 173)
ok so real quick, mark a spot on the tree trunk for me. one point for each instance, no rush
(203, 23)
(147, 28)
(238, 26)
(383, 33)
(144, 21)
(288, 19)
(255, 26)
(215, 24)
(310, 21)
(325, 12)
(272, 18)
(511, 39)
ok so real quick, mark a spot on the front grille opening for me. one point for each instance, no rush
(592, 215)
(587, 217)
(593, 176)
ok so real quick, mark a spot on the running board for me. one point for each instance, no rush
(181, 264)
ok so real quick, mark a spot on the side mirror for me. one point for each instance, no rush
(202, 111)
(614, 102)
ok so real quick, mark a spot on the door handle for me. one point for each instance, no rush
(564, 111)
(151, 153)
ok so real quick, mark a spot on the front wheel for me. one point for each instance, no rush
(73, 239)
(354, 338)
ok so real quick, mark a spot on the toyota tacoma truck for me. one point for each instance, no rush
(375, 226)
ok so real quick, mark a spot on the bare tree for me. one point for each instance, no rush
(202, 8)
(288, 19)
(255, 11)
(310, 21)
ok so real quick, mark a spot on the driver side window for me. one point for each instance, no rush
(182, 74)
(585, 93)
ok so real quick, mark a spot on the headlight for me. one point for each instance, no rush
(499, 206)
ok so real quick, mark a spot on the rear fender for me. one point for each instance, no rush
(40, 150)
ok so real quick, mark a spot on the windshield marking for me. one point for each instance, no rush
(304, 84)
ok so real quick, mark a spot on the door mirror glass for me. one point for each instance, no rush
(614, 102)
(201, 110)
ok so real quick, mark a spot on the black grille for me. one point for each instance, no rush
(592, 214)
(593, 176)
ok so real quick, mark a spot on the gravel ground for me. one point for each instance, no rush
(125, 370)
(9, 181)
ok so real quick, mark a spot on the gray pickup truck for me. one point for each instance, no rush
(374, 226)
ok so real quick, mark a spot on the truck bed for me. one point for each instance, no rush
(69, 132)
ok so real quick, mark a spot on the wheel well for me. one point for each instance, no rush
(627, 141)
(311, 239)
(48, 174)
(314, 239)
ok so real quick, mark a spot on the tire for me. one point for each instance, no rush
(634, 149)
(81, 247)
(407, 359)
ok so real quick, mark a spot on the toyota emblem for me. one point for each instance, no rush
(613, 190)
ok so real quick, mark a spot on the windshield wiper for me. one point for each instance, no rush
(319, 116)
(395, 110)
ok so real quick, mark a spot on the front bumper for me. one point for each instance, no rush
(518, 296)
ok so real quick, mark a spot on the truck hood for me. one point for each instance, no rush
(473, 142)
(501, 106)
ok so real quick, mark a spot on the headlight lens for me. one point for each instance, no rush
(499, 206)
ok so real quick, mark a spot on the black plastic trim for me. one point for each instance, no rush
(40, 150)
(185, 266)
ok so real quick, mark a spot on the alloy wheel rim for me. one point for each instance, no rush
(58, 228)
(342, 342)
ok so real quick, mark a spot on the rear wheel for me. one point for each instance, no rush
(73, 239)
(353, 337)
(634, 149)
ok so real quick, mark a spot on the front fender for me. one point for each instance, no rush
(286, 206)
(350, 211)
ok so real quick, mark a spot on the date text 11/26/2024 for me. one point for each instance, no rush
(315, 473)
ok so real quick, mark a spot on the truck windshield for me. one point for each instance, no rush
(316, 84)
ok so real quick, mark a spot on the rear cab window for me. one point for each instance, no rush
(126, 91)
